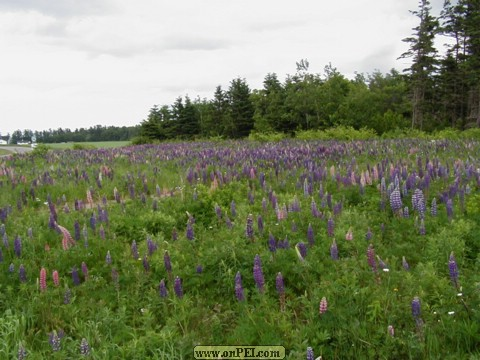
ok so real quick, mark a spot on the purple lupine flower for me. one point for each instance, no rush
(167, 262)
(199, 269)
(330, 227)
(228, 222)
(22, 353)
(279, 284)
(75, 276)
(174, 234)
(433, 207)
(405, 263)
(76, 227)
(310, 235)
(453, 269)
(258, 274)
(416, 308)
(218, 211)
(283, 244)
(30, 233)
(233, 208)
(11, 268)
(101, 232)
(84, 270)
(54, 341)
(260, 224)
(108, 258)
(145, 264)
(406, 214)
(369, 234)
(151, 246)
(189, 233)
(272, 243)
(371, 258)
(93, 222)
(1, 255)
(84, 347)
(310, 354)
(449, 207)
(301, 250)
(314, 209)
(421, 229)
(162, 289)
(382, 264)
(418, 202)
(334, 250)
(396, 201)
(22, 274)
(264, 205)
(178, 287)
(238, 287)
(134, 250)
(249, 227)
(17, 246)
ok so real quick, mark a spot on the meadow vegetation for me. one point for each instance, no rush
(366, 248)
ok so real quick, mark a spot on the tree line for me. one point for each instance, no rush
(437, 91)
(94, 133)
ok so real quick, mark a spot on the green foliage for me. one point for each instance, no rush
(78, 146)
(40, 150)
(264, 137)
(337, 133)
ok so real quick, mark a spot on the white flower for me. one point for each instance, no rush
(451, 312)
(459, 294)
(386, 270)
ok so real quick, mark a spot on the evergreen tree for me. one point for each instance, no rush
(241, 108)
(424, 61)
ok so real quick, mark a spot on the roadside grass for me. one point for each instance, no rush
(92, 144)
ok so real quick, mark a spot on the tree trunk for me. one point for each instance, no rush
(474, 106)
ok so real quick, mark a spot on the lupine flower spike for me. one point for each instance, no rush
(310, 354)
(178, 287)
(453, 269)
(239, 287)
(323, 306)
(84, 347)
(258, 274)
(67, 239)
(43, 280)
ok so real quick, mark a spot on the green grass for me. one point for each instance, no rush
(4, 152)
(97, 145)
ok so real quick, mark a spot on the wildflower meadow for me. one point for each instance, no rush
(345, 250)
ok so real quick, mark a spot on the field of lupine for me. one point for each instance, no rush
(362, 249)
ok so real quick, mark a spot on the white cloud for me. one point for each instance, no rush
(80, 63)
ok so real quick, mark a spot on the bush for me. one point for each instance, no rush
(266, 137)
(337, 133)
(78, 146)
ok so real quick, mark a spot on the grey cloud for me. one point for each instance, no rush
(187, 43)
(60, 8)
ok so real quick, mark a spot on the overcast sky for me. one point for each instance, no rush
(81, 63)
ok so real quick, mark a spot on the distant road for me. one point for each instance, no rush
(16, 149)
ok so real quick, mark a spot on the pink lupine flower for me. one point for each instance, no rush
(323, 306)
(56, 278)
(43, 279)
